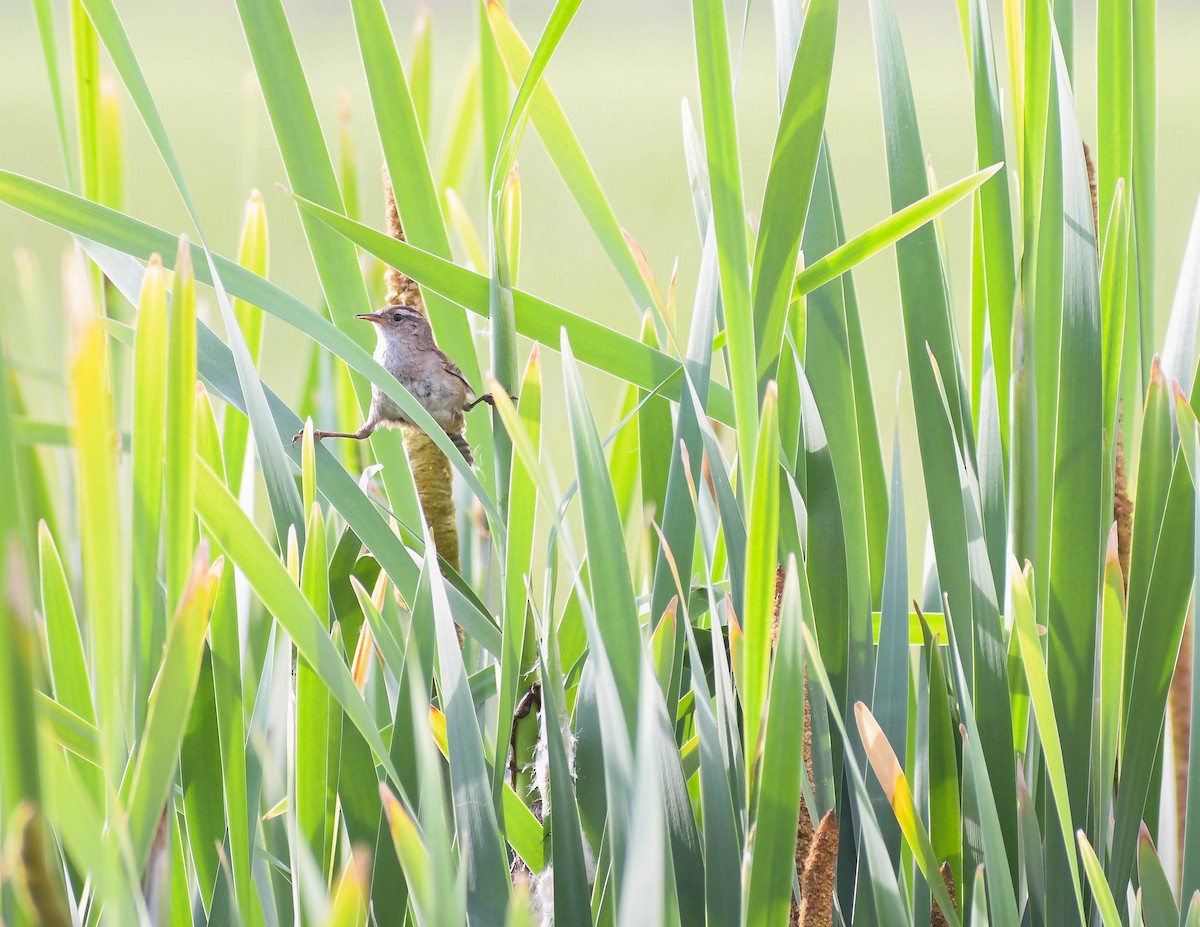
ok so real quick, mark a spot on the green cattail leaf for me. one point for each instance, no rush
(568, 156)
(252, 255)
(518, 628)
(762, 560)
(179, 453)
(422, 67)
(458, 136)
(150, 386)
(318, 718)
(112, 155)
(99, 529)
(146, 790)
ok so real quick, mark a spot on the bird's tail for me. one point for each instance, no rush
(460, 442)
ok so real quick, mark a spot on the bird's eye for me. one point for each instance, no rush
(396, 317)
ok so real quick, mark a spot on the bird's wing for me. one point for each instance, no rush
(453, 370)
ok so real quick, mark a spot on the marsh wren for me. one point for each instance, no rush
(406, 349)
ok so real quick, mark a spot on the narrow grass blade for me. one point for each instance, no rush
(225, 643)
(483, 855)
(253, 247)
(568, 156)
(725, 179)
(180, 457)
(67, 664)
(247, 548)
(100, 545)
(777, 801)
(762, 562)
(1179, 342)
(1044, 710)
(899, 795)
(1152, 636)
(170, 704)
(608, 564)
(150, 387)
(1158, 898)
(895, 229)
(835, 364)
(400, 130)
(722, 887)
(518, 631)
(889, 698)
(1105, 904)
(643, 890)
(318, 717)
(570, 868)
(790, 180)
(285, 506)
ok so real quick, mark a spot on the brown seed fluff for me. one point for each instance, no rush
(936, 917)
(820, 868)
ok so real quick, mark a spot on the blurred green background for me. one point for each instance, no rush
(621, 74)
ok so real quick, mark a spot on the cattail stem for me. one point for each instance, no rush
(431, 470)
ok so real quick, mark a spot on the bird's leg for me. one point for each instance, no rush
(361, 434)
(488, 398)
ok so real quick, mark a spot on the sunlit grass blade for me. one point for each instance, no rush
(1114, 275)
(725, 178)
(482, 853)
(538, 320)
(1105, 904)
(608, 564)
(678, 516)
(889, 699)
(828, 332)
(100, 545)
(460, 127)
(1159, 587)
(180, 451)
(777, 801)
(644, 890)
(318, 717)
(519, 633)
(722, 890)
(1111, 685)
(568, 156)
(231, 729)
(899, 794)
(285, 507)
(305, 157)
(790, 180)
(399, 124)
(1179, 342)
(252, 255)
(422, 66)
(760, 569)
(246, 547)
(1044, 712)
(67, 664)
(170, 704)
(995, 211)
(892, 230)
(1076, 528)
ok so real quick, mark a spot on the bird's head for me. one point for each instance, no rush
(398, 322)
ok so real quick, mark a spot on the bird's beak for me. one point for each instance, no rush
(370, 317)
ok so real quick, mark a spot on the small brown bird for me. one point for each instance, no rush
(406, 349)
